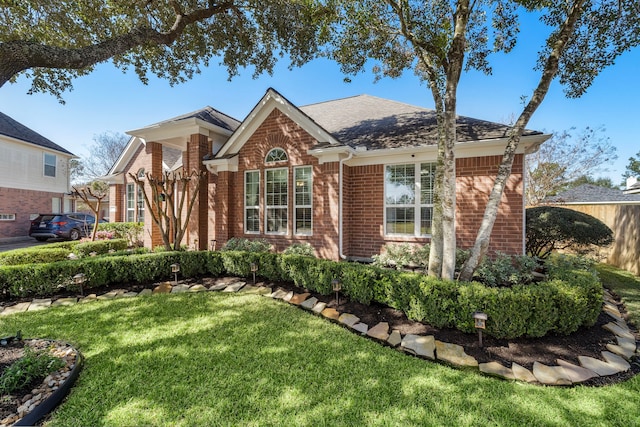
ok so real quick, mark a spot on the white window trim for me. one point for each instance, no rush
(296, 206)
(44, 165)
(273, 162)
(416, 205)
(127, 208)
(266, 206)
(7, 217)
(246, 207)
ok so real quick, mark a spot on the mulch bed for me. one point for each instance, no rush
(524, 351)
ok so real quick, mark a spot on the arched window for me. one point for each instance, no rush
(141, 173)
(276, 155)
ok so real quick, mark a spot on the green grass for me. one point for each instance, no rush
(234, 359)
(626, 285)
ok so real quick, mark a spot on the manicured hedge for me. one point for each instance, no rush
(571, 298)
(100, 247)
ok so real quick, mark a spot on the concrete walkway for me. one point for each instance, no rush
(614, 360)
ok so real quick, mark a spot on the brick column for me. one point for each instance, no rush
(221, 208)
(152, 236)
(116, 200)
(197, 148)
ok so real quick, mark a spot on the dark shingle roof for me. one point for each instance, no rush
(14, 129)
(589, 193)
(377, 123)
(209, 115)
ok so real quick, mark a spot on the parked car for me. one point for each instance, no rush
(71, 226)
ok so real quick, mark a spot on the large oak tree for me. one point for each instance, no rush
(54, 41)
(439, 39)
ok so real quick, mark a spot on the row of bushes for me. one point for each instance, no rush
(570, 299)
(60, 251)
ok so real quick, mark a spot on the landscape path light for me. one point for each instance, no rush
(337, 287)
(175, 268)
(480, 319)
(254, 268)
(79, 279)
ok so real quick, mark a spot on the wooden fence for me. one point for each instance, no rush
(624, 221)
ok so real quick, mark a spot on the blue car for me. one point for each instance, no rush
(70, 226)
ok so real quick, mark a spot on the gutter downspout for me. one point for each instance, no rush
(340, 179)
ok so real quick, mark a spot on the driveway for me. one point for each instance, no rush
(19, 243)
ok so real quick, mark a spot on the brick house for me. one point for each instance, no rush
(34, 177)
(346, 176)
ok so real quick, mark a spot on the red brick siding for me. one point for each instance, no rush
(279, 131)
(364, 216)
(474, 184)
(22, 203)
(197, 148)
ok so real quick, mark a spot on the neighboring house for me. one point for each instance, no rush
(346, 176)
(34, 177)
(618, 209)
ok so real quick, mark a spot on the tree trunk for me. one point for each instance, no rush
(481, 244)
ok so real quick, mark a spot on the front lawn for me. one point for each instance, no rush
(238, 359)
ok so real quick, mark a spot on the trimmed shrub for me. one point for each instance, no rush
(572, 297)
(506, 270)
(34, 256)
(100, 247)
(550, 228)
(246, 245)
(304, 249)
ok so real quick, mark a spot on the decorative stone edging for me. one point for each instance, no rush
(615, 359)
(43, 399)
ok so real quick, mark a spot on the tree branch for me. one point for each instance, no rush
(20, 55)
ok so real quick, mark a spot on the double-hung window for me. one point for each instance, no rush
(303, 200)
(140, 202)
(252, 202)
(409, 199)
(131, 202)
(276, 200)
(50, 165)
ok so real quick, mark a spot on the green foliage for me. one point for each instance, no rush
(32, 366)
(100, 247)
(173, 41)
(246, 245)
(572, 297)
(633, 167)
(551, 228)
(506, 270)
(304, 249)
(403, 255)
(132, 231)
(33, 255)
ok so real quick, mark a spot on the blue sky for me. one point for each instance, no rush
(110, 100)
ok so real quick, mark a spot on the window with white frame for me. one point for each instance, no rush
(140, 203)
(303, 200)
(276, 200)
(252, 202)
(7, 217)
(409, 199)
(131, 202)
(276, 155)
(50, 165)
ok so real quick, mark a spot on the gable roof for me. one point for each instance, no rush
(16, 130)
(378, 123)
(364, 123)
(207, 114)
(593, 194)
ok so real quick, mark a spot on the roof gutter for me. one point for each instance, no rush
(340, 217)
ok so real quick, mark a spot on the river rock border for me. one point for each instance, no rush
(44, 398)
(614, 360)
